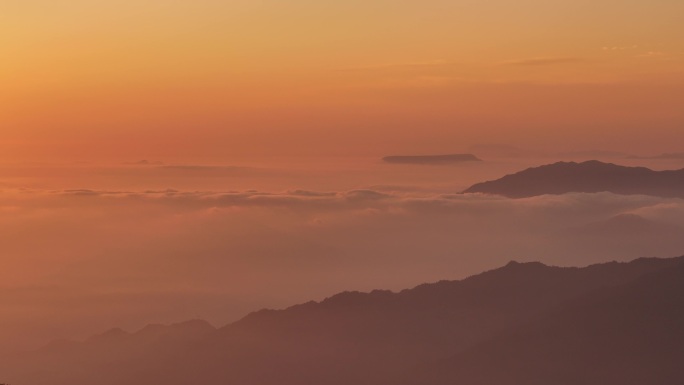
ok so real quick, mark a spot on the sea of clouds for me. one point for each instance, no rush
(76, 262)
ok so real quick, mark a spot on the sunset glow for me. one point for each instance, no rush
(168, 167)
(92, 79)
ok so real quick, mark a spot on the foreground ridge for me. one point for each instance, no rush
(521, 323)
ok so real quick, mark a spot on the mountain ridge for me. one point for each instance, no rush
(350, 337)
(586, 177)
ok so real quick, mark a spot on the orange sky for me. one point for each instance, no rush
(216, 93)
(219, 80)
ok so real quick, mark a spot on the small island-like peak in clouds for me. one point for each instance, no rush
(587, 177)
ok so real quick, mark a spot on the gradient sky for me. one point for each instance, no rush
(263, 123)
(219, 80)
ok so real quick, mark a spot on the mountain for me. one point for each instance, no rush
(107, 358)
(630, 335)
(504, 321)
(588, 177)
(431, 159)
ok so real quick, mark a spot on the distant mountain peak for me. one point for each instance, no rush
(590, 176)
(109, 335)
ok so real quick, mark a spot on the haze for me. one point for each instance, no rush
(163, 161)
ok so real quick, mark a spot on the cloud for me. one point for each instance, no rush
(543, 61)
(365, 195)
(653, 54)
(341, 200)
(403, 65)
(620, 47)
(308, 193)
(145, 162)
(125, 258)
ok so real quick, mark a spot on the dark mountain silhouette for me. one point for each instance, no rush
(630, 335)
(588, 177)
(431, 159)
(107, 358)
(504, 321)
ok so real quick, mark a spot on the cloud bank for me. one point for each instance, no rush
(76, 262)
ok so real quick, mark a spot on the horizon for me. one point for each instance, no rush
(163, 161)
(208, 80)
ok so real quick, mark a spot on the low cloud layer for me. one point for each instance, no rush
(76, 262)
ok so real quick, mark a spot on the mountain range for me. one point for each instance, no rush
(586, 177)
(523, 323)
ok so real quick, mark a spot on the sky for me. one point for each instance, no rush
(232, 80)
(168, 160)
